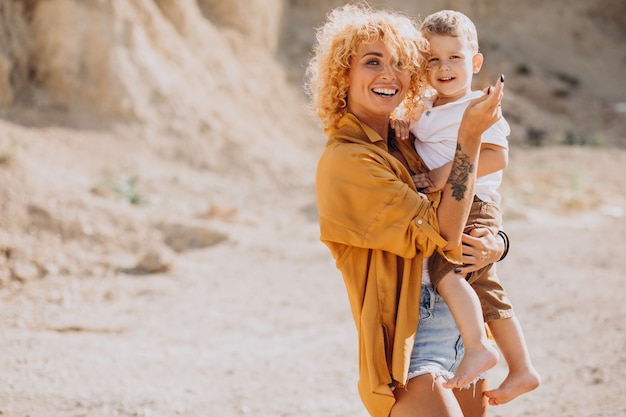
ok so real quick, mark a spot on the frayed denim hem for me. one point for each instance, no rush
(445, 375)
(434, 374)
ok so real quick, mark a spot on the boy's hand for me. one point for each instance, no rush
(401, 128)
(434, 180)
(423, 183)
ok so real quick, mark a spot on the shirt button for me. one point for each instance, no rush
(428, 113)
(419, 221)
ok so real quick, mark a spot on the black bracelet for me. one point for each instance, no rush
(505, 238)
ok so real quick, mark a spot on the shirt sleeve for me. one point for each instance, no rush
(363, 202)
(497, 134)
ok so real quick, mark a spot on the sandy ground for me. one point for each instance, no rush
(259, 325)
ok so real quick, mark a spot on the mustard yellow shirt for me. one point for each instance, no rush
(378, 229)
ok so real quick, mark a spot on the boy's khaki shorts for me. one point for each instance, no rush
(493, 299)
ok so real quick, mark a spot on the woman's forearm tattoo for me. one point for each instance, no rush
(459, 176)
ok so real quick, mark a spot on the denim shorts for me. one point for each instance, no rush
(438, 348)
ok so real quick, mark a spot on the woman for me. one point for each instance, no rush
(377, 226)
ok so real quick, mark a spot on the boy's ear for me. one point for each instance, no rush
(477, 62)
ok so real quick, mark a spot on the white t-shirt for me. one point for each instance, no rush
(425, 272)
(437, 130)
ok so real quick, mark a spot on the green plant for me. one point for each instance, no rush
(128, 189)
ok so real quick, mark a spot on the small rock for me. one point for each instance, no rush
(154, 261)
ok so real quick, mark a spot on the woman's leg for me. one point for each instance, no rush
(437, 350)
(472, 401)
(423, 397)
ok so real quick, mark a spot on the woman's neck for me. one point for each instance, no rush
(377, 124)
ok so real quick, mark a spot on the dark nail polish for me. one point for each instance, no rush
(502, 77)
(488, 90)
(458, 270)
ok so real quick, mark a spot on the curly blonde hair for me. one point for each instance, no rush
(346, 28)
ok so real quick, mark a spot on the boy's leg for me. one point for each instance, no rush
(522, 376)
(479, 355)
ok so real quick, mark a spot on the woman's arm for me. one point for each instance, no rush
(457, 195)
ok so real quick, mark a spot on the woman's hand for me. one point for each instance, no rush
(480, 248)
(483, 112)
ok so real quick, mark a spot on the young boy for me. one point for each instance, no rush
(453, 59)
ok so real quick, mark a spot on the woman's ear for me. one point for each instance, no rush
(477, 62)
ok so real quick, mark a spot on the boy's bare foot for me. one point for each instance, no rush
(514, 385)
(474, 363)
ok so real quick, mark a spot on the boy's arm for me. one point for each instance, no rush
(492, 158)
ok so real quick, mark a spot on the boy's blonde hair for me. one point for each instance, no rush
(338, 40)
(451, 23)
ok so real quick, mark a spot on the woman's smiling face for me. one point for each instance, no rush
(377, 84)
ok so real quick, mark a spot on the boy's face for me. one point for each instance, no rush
(451, 64)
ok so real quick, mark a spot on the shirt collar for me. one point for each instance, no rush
(351, 129)
(468, 97)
